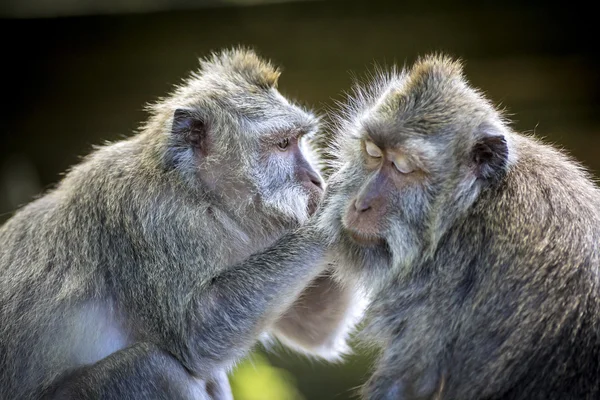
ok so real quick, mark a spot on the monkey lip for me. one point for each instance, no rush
(364, 240)
(315, 194)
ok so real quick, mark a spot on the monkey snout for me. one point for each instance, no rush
(315, 179)
(315, 196)
(362, 223)
(361, 206)
(312, 180)
(363, 218)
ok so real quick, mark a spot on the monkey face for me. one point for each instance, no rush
(411, 153)
(288, 185)
(275, 158)
(241, 141)
(267, 166)
(388, 171)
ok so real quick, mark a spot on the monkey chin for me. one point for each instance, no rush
(312, 207)
(364, 240)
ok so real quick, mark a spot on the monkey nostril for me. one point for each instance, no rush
(314, 179)
(361, 206)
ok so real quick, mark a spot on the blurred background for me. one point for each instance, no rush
(79, 72)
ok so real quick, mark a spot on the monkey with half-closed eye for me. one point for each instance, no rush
(159, 260)
(479, 246)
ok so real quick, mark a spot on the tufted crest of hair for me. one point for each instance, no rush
(242, 64)
(430, 98)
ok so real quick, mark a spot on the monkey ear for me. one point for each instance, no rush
(490, 154)
(190, 128)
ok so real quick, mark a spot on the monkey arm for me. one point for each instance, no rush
(236, 306)
(328, 309)
(321, 319)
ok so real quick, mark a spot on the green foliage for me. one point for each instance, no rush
(257, 379)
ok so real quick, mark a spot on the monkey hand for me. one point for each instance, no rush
(312, 232)
(324, 220)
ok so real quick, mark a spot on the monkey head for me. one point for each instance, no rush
(233, 136)
(411, 153)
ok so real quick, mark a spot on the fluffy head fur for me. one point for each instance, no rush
(431, 113)
(234, 97)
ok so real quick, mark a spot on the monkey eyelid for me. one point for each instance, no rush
(403, 164)
(283, 144)
(372, 150)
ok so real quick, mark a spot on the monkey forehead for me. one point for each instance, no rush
(280, 120)
(426, 102)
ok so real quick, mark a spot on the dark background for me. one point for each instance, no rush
(76, 73)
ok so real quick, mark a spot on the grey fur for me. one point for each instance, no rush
(147, 271)
(488, 283)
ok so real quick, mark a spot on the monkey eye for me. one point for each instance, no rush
(403, 165)
(283, 144)
(373, 150)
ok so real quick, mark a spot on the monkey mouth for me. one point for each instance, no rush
(315, 195)
(366, 240)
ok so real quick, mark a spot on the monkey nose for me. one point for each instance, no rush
(361, 205)
(315, 179)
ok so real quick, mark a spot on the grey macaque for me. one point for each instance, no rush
(159, 260)
(479, 246)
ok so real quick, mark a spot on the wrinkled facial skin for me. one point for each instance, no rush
(359, 242)
(375, 208)
(287, 180)
(387, 173)
(271, 171)
(254, 156)
(389, 195)
(287, 185)
(273, 157)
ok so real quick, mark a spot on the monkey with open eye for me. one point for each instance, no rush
(160, 260)
(479, 245)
